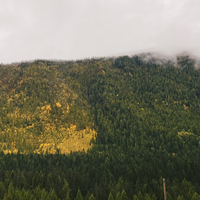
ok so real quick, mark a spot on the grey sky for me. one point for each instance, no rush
(76, 29)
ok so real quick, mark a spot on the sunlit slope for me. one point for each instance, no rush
(39, 112)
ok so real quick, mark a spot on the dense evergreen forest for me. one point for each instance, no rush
(107, 128)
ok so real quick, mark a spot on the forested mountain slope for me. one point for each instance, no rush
(141, 113)
(39, 112)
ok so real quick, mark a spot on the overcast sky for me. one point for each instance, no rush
(76, 29)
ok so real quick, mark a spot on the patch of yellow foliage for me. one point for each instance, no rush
(43, 108)
(130, 74)
(182, 133)
(185, 107)
(72, 141)
(48, 107)
(58, 104)
(53, 131)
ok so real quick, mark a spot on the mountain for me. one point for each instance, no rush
(106, 128)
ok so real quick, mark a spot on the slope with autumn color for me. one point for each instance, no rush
(40, 113)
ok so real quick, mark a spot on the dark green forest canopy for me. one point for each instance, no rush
(145, 110)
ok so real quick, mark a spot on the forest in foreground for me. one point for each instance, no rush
(100, 129)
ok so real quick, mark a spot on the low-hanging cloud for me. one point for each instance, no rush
(51, 29)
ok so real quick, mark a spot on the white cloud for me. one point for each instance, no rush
(65, 29)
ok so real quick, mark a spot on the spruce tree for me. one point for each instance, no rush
(2, 190)
(91, 197)
(110, 197)
(79, 195)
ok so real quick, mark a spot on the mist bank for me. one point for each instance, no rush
(151, 57)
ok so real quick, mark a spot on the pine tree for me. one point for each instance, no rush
(147, 197)
(135, 197)
(124, 195)
(44, 195)
(180, 197)
(140, 196)
(37, 192)
(79, 195)
(196, 196)
(91, 197)
(153, 197)
(120, 184)
(65, 191)
(26, 195)
(118, 196)
(2, 190)
(12, 194)
(110, 197)
(87, 196)
(52, 195)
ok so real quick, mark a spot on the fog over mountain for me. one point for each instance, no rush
(83, 29)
